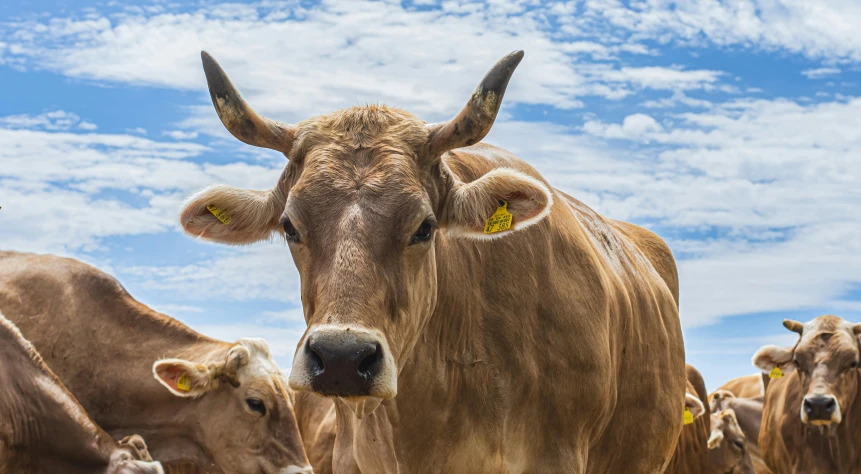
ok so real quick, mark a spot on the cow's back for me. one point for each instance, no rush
(748, 386)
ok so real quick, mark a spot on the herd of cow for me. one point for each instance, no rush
(463, 316)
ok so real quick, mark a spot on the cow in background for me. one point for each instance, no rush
(691, 453)
(222, 407)
(811, 421)
(43, 428)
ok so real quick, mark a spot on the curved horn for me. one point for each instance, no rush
(238, 117)
(474, 121)
(793, 326)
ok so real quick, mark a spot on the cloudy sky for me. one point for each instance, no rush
(731, 128)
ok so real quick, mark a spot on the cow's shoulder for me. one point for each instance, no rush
(655, 249)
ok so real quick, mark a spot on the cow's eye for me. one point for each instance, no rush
(425, 231)
(797, 364)
(255, 404)
(290, 231)
(853, 365)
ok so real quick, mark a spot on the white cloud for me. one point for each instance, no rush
(53, 120)
(825, 29)
(633, 126)
(820, 72)
(137, 130)
(179, 134)
(293, 62)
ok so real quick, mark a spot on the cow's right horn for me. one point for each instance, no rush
(238, 117)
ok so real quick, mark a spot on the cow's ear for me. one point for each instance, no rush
(715, 439)
(183, 378)
(496, 204)
(694, 405)
(770, 356)
(231, 215)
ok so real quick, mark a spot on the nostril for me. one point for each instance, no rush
(807, 406)
(831, 404)
(368, 365)
(316, 362)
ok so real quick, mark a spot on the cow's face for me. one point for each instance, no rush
(726, 443)
(365, 205)
(248, 421)
(826, 358)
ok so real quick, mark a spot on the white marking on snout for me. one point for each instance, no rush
(297, 470)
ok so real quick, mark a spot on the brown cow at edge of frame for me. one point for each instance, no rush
(546, 339)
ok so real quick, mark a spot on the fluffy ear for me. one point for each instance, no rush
(716, 400)
(231, 215)
(694, 404)
(715, 439)
(469, 206)
(183, 378)
(770, 356)
(138, 447)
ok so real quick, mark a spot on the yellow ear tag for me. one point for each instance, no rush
(219, 214)
(775, 373)
(689, 417)
(182, 383)
(500, 220)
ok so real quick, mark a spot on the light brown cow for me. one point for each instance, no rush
(727, 452)
(465, 316)
(43, 428)
(691, 453)
(748, 386)
(221, 406)
(748, 413)
(811, 422)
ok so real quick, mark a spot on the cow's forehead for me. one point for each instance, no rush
(827, 331)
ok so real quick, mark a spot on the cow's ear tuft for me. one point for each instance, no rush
(183, 378)
(715, 439)
(770, 356)
(495, 205)
(231, 215)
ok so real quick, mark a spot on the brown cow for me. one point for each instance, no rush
(748, 386)
(727, 453)
(43, 428)
(812, 418)
(318, 424)
(519, 330)
(748, 413)
(223, 407)
(691, 452)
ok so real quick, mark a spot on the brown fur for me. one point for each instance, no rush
(102, 343)
(826, 348)
(583, 300)
(43, 428)
(727, 453)
(691, 453)
(748, 386)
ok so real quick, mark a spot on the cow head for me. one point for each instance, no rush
(826, 359)
(726, 444)
(249, 425)
(132, 457)
(718, 400)
(361, 204)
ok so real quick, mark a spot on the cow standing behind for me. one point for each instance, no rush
(219, 406)
(43, 428)
(727, 452)
(691, 453)
(748, 413)
(811, 421)
(748, 386)
(544, 339)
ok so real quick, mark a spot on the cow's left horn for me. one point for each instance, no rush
(238, 117)
(474, 121)
(793, 326)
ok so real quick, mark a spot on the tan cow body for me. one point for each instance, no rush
(748, 386)
(811, 421)
(43, 428)
(691, 455)
(123, 361)
(552, 346)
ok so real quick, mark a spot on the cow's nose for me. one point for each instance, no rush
(342, 365)
(819, 407)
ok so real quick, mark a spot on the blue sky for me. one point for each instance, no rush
(733, 129)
